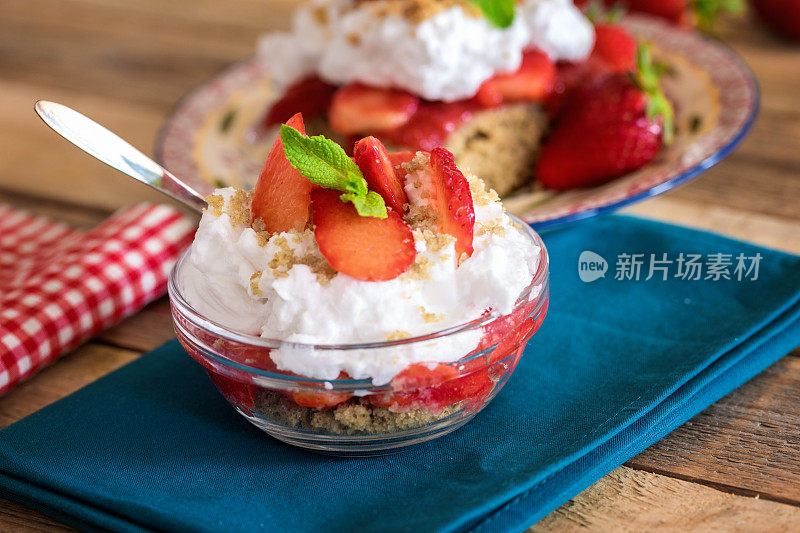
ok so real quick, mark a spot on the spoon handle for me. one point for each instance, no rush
(109, 148)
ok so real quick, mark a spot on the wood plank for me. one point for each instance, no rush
(36, 161)
(625, 500)
(628, 500)
(776, 232)
(78, 216)
(68, 374)
(138, 55)
(747, 442)
(16, 518)
(144, 331)
(125, 63)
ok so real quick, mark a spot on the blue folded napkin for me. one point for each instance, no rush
(618, 364)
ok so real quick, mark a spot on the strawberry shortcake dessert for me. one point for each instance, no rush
(517, 90)
(390, 270)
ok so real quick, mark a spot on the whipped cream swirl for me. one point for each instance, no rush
(446, 56)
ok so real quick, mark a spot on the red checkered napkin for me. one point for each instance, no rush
(60, 286)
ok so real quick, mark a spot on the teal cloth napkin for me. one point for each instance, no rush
(618, 364)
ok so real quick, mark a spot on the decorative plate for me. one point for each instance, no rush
(715, 94)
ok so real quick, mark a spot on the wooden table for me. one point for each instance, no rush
(735, 466)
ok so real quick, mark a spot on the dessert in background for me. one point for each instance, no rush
(488, 85)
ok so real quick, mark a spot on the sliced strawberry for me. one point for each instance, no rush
(357, 108)
(452, 199)
(533, 82)
(310, 96)
(473, 386)
(398, 159)
(239, 393)
(419, 376)
(379, 171)
(365, 248)
(431, 125)
(615, 47)
(319, 400)
(282, 196)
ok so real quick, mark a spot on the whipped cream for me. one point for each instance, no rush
(444, 57)
(280, 287)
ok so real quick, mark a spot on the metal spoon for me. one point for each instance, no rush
(109, 148)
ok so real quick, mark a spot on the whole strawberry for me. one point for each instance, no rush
(613, 126)
(680, 12)
(783, 16)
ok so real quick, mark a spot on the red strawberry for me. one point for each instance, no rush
(310, 96)
(319, 399)
(474, 386)
(398, 159)
(675, 11)
(379, 171)
(431, 125)
(452, 199)
(532, 82)
(680, 12)
(240, 393)
(615, 47)
(357, 108)
(419, 376)
(366, 248)
(612, 127)
(282, 196)
(783, 16)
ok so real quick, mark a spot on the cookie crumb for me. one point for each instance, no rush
(492, 228)
(430, 317)
(398, 335)
(217, 204)
(480, 195)
(255, 278)
(419, 269)
(416, 11)
(434, 241)
(355, 416)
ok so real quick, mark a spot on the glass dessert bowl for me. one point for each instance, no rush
(356, 305)
(354, 416)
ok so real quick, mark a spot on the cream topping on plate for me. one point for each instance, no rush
(444, 55)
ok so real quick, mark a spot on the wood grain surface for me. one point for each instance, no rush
(734, 467)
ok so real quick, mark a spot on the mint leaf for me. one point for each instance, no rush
(322, 161)
(498, 12)
(325, 163)
(370, 205)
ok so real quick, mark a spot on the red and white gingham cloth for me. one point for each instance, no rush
(60, 286)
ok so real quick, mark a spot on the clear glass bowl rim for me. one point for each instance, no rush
(213, 328)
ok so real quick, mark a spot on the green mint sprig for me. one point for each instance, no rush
(324, 162)
(498, 12)
(648, 78)
(707, 11)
